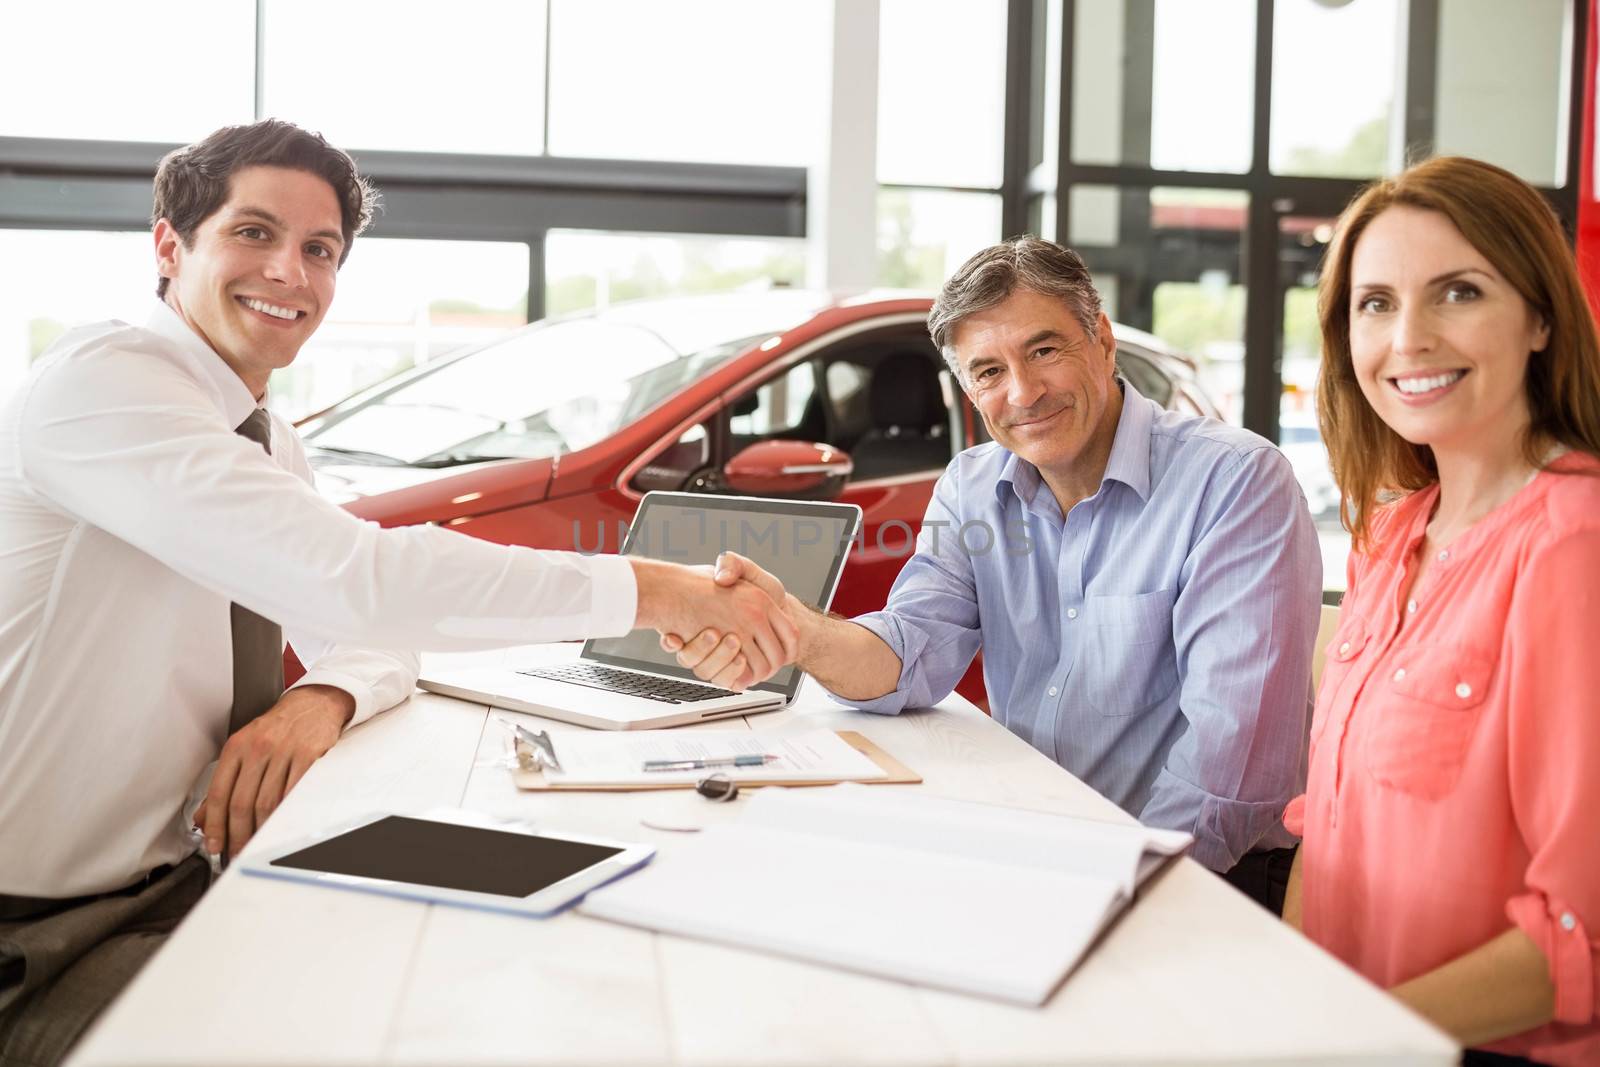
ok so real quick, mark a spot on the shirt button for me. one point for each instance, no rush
(1444, 555)
(1072, 613)
(1568, 921)
(1411, 607)
(1344, 648)
(1400, 675)
(1052, 690)
(1463, 690)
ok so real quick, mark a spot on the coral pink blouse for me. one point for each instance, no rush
(1454, 786)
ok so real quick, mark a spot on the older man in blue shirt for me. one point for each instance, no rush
(1144, 585)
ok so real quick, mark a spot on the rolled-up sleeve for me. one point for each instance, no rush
(1554, 753)
(1294, 816)
(931, 618)
(1243, 625)
(377, 679)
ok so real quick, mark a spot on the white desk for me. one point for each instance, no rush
(268, 972)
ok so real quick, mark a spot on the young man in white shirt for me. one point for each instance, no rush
(157, 527)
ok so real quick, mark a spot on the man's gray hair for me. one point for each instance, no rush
(992, 275)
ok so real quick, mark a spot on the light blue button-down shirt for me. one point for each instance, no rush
(1156, 642)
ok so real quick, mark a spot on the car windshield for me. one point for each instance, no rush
(540, 392)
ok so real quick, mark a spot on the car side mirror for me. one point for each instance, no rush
(789, 468)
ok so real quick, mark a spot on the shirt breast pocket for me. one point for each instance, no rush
(1428, 713)
(1126, 662)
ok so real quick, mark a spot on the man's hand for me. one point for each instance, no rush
(717, 657)
(678, 600)
(266, 759)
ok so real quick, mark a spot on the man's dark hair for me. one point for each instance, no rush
(192, 182)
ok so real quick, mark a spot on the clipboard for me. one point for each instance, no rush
(528, 775)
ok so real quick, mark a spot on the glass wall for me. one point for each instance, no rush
(1209, 149)
(141, 72)
(112, 276)
(941, 92)
(401, 303)
(925, 234)
(712, 81)
(357, 75)
(585, 270)
(1335, 88)
(1136, 71)
(398, 303)
(941, 130)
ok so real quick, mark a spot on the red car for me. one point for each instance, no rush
(548, 436)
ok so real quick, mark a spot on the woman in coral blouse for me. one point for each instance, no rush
(1451, 819)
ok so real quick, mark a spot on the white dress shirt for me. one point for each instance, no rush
(131, 514)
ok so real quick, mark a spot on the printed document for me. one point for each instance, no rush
(975, 898)
(613, 759)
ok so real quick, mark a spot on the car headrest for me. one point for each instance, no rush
(905, 393)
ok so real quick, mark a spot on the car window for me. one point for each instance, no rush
(845, 381)
(1184, 401)
(520, 398)
(780, 408)
(1145, 376)
(676, 464)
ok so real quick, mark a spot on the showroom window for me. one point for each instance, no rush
(585, 270)
(449, 115)
(113, 277)
(707, 81)
(1191, 45)
(400, 304)
(941, 109)
(358, 75)
(1211, 147)
(1334, 88)
(115, 81)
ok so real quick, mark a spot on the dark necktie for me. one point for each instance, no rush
(257, 642)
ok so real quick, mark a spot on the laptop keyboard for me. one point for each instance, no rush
(666, 690)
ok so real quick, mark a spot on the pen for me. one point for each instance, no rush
(754, 760)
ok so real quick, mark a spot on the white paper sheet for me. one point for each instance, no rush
(618, 758)
(971, 897)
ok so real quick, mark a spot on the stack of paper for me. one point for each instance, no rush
(979, 899)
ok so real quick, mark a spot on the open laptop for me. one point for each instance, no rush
(629, 683)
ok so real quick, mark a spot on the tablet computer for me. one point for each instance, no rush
(454, 859)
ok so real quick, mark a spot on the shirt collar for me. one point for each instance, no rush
(1129, 462)
(234, 396)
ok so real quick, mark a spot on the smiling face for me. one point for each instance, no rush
(1044, 387)
(1439, 340)
(260, 275)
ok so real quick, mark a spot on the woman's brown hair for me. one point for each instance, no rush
(1512, 226)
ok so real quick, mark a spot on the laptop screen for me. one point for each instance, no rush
(802, 544)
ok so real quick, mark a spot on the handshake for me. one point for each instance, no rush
(738, 630)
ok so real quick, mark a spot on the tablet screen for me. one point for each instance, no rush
(449, 856)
